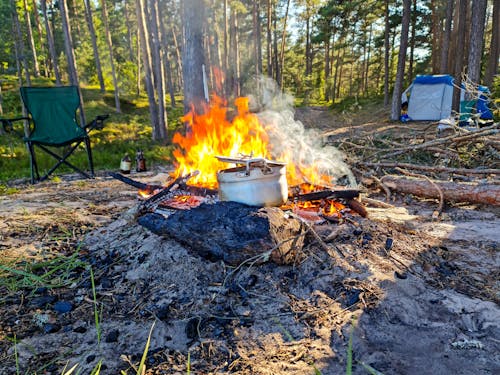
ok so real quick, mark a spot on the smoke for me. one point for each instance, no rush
(289, 136)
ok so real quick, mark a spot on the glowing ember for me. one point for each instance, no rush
(212, 133)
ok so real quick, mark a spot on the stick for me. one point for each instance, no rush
(152, 202)
(326, 194)
(465, 171)
(137, 184)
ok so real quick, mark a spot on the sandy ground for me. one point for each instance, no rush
(417, 296)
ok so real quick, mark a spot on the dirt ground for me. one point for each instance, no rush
(414, 295)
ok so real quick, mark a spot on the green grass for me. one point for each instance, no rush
(96, 310)
(123, 133)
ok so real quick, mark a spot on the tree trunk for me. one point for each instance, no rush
(476, 45)
(387, 51)
(256, 31)
(276, 69)
(104, 11)
(446, 37)
(50, 41)
(45, 64)
(93, 39)
(368, 57)
(403, 45)
(70, 54)
(146, 62)
(192, 55)
(483, 193)
(159, 132)
(436, 32)
(178, 57)
(494, 53)
(234, 69)
(459, 52)
(327, 68)
(19, 45)
(225, 65)
(165, 58)
(31, 40)
(128, 22)
(283, 43)
(269, 39)
(412, 43)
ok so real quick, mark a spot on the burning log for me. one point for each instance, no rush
(232, 232)
(455, 192)
(328, 194)
(137, 184)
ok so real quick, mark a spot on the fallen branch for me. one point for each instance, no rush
(435, 169)
(137, 184)
(452, 192)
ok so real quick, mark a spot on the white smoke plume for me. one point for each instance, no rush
(275, 110)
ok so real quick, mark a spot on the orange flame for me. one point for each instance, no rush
(213, 133)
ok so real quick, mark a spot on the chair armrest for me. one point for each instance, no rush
(7, 123)
(97, 123)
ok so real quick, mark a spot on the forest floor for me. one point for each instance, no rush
(416, 295)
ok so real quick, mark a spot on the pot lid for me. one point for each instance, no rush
(249, 161)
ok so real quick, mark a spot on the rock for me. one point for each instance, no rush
(41, 302)
(51, 327)
(63, 307)
(112, 336)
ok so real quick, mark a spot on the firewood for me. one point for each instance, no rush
(137, 184)
(452, 191)
(435, 169)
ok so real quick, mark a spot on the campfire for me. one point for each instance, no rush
(227, 155)
(234, 197)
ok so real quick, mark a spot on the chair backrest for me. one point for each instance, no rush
(53, 111)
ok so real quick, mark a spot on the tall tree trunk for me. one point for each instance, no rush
(146, 62)
(436, 32)
(70, 54)
(50, 41)
(327, 68)
(104, 12)
(387, 51)
(225, 65)
(235, 54)
(159, 132)
(446, 37)
(45, 64)
(165, 58)
(178, 57)
(19, 45)
(256, 32)
(476, 44)
(412, 43)
(494, 52)
(368, 56)
(192, 55)
(128, 22)
(283, 43)
(269, 51)
(93, 39)
(459, 52)
(276, 69)
(31, 40)
(403, 45)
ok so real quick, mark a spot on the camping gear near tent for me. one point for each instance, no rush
(430, 97)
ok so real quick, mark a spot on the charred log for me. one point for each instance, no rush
(232, 232)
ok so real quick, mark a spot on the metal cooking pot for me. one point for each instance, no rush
(259, 182)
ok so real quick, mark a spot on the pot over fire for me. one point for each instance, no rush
(255, 182)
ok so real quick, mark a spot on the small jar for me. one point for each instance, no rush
(140, 161)
(126, 164)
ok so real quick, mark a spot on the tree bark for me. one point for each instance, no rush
(146, 62)
(45, 64)
(453, 192)
(31, 40)
(19, 45)
(283, 43)
(476, 45)
(165, 59)
(398, 85)
(104, 12)
(387, 51)
(93, 39)
(70, 54)
(159, 132)
(256, 31)
(269, 39)
(128, 22)
(412, 43)
(461, 29)
(192, 55)
(446, 37)
(50, 41)
(494, 53)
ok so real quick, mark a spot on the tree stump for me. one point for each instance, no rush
(232, 232)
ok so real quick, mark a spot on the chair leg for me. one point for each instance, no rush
(33, 165)
(89, 155)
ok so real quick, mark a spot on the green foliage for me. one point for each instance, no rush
(123, 133)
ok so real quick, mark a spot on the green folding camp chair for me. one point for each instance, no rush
(52, 118)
